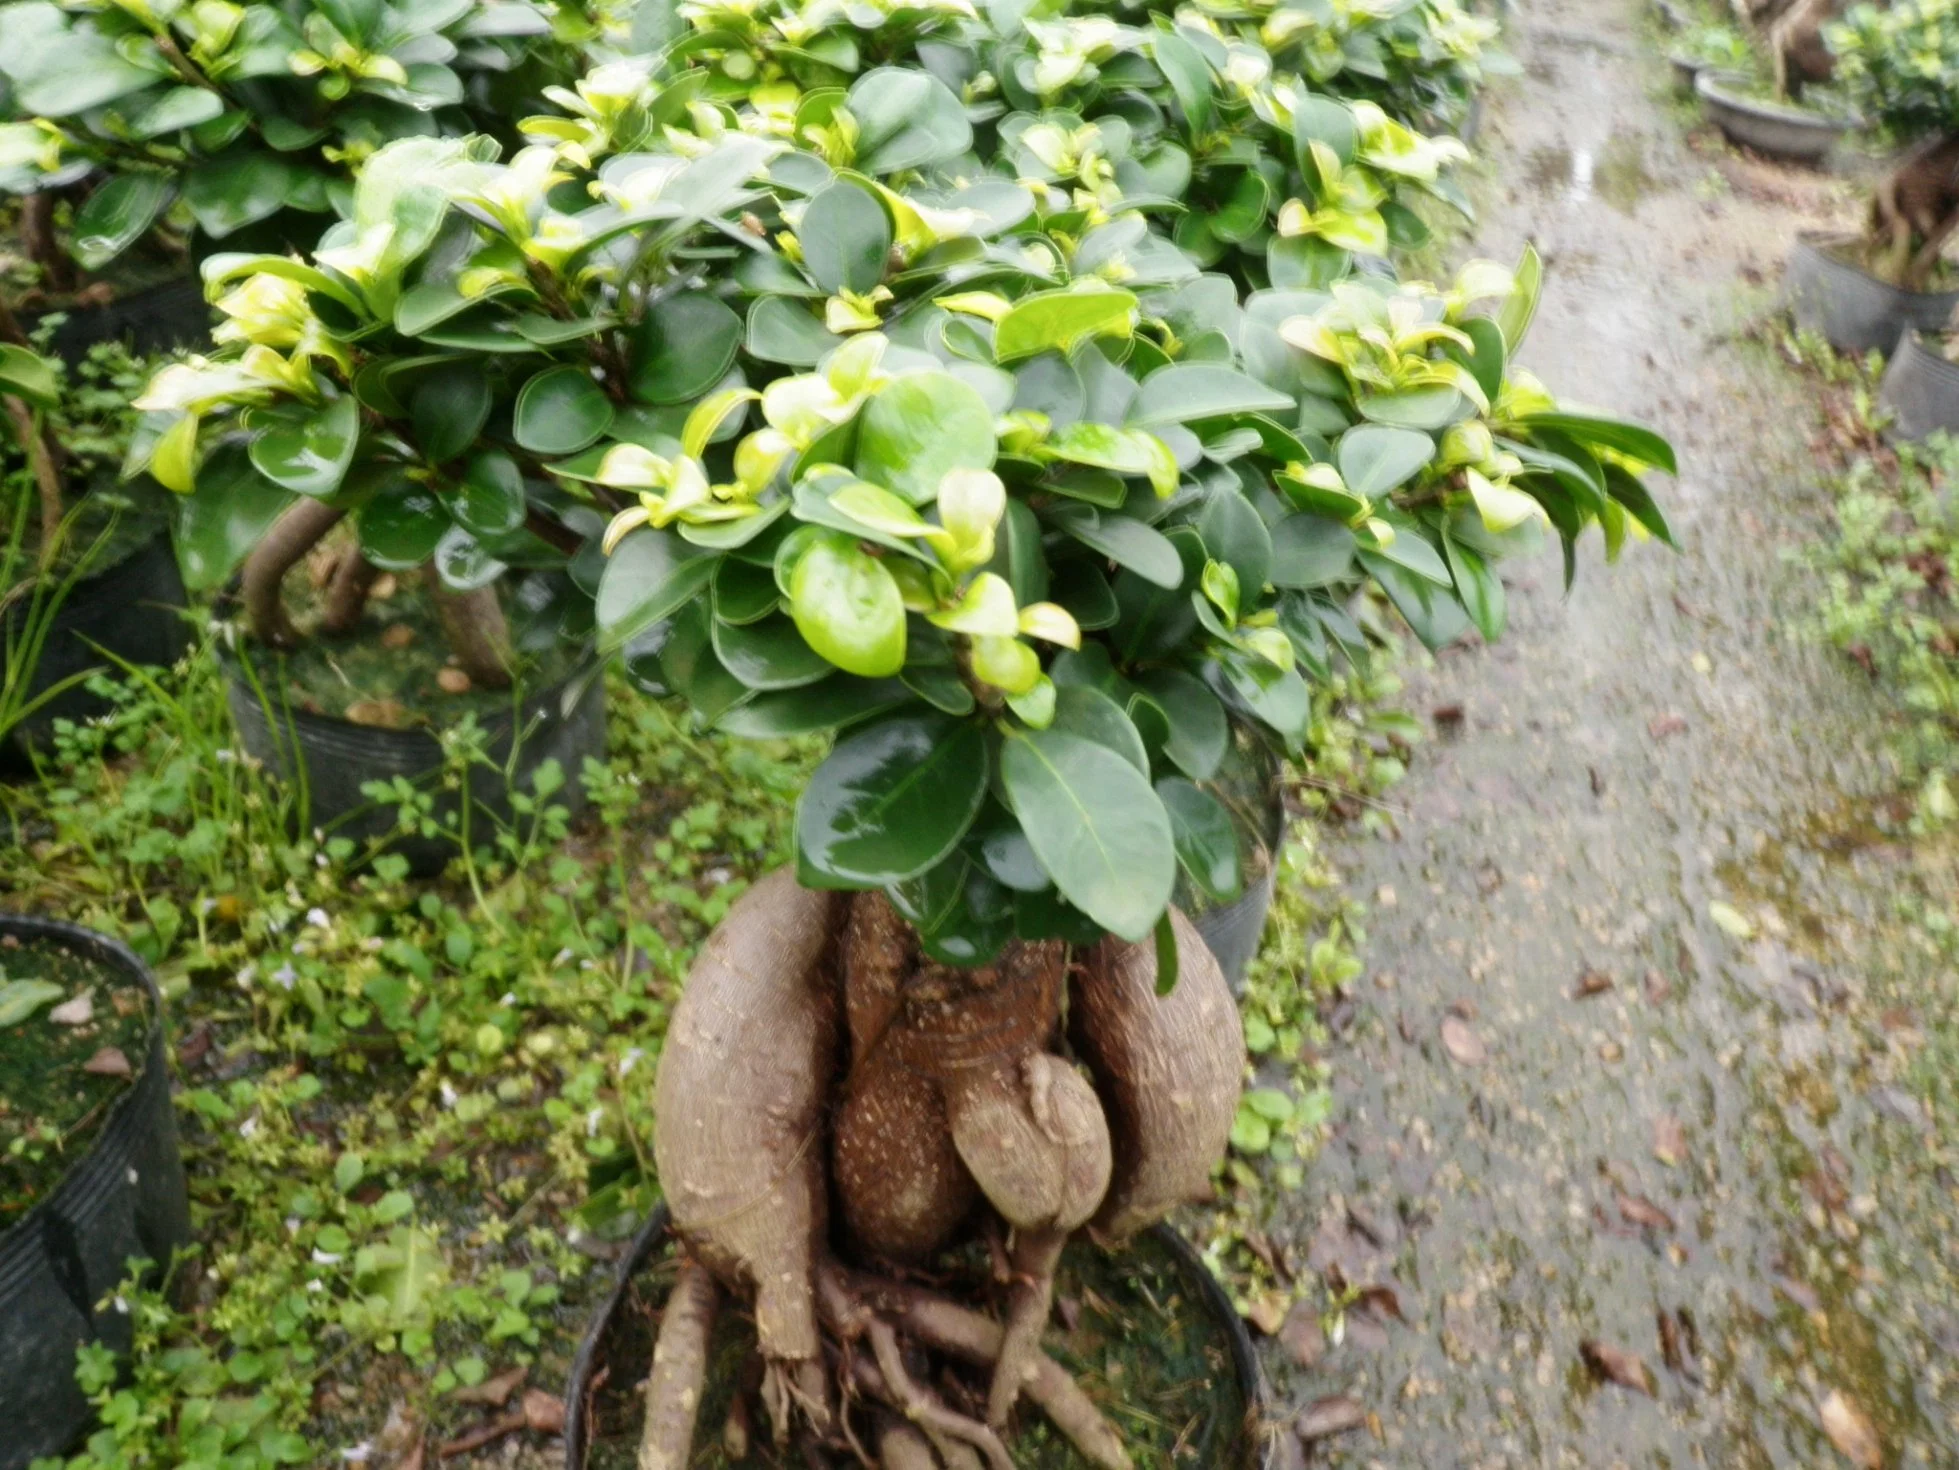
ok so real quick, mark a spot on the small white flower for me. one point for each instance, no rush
(373, 944)
(122, 1306)
(509, 998)
(318, 918)
(449, 1096)
(562, 957)
(316, 1285)
(631, 1059)
(249, 1128)
(719, 875)
(285, 975)
(246, 976)
(325, 1258)
(292, 1224)
(133, 1177)
(358, 1454)
(225, 755)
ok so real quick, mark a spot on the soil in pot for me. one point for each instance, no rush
(71, 1039)
(1146, 1334)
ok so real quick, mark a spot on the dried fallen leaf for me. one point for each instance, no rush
(1446, 714)
(1591, 983)
(1669, 1340)
(1658, 988)
(1661, 726)
(1616, 1365)
(398, 635)
(1324, 1418)
(491, 1391)
(544, 1412)
(77, 1012)
(1460, 1040)
(452, 681)
(1301, 1336)
(378, 714)
(1731, 920)
(1669, 1140)
(1267, 1313)
(1637, 1209)
(108, 1062)
(1851, 1431)
(1383, 1301)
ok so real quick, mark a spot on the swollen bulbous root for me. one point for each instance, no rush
(948, 1096)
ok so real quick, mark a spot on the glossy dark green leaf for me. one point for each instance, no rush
(1200, 390)
(1205, 837)
(1082, 710)
(463, 563)
(218, 526)
(906, 118)
(228, 194)
(1626, 488)
(1310, 551)
(961, 913)
(1096, 826)
(1057, 320)
(1124, 540)
(846, 238)
(744, 592)
(1374, 458)
(1432, 611)
(1412, 549)
(892, 799)
(648, 577)
(838, 700)
(1189, 75)
(1278, 697)
(490, 501)
(782, 329)
(681, 348)
(1633, 440)
(26, 374)
(116, 215)
(1485, 357)
(1018, 555)
(1169, 962)
(560, 411)
(1324, 120)
(310, 453)
(448, 407)
(1479, 588)
(1085, 592)
(401, 525)
(919, 427)
(848, 607)
(1199, 733)
(1236, 535)
(769, 654)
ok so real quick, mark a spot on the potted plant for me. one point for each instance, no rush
(1752, 114)
(86, 574)
(90, 1177)
(402, 417)
(1921, 385)
(1863, 292)
(145, 130)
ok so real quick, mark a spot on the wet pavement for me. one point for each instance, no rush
(1631, 1072)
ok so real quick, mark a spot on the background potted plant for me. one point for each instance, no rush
(972, 466)
(1863, 292)
(1921, 385)
(86, 574)
(145, 130)
(91, 1178)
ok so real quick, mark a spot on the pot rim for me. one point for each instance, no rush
(107, 950)
(1244, 1358)
(1713, 85)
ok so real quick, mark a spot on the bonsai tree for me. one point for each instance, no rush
(232, 112)
(1901, 68)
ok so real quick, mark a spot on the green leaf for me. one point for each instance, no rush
(1279, 697)
(1080, 709)
(401, 526)
(1486, 355)
(218, 526)
(1189, 75)
(768, 655)
(1325, 120)
(174, 110)
(1205, 838)
(1060, 319)
(846, 238)
(682, 347)
(1200, 390)
(906, 118)
(840, 699)
(348, 1170)
(1479, 588)
(1416, 408)
(1234, 534)
(848, 608)
(560, 411)
(1125, 540)
(892, 799)
(310, 453)
(117, 215)
(449, 407)
(1374, 459)
(1412, 549)
(649, 576)
(26, 374)
(920, 427)
(1199, 731)
(1625, 487)
(20, 999)
(1095, 824)
(70, 70)
(1168, 962)
(1632, 440)
(490, 500)
(226, 195)
(1432, 611)
(1310, 551)
(784, 330)
(1520, 306)
(1125, 451)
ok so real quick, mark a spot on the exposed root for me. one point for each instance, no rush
(1036, 1254)
(1914, 210)
(354, 577)
(925, 1408)
(679, 1376)
(474, 626)
(901, 1447)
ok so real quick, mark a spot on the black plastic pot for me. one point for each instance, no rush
(335, 758)
(132, 609)
(155, 319)
(124, 1198)
(1785, 133)
(1851, 308)
(1921, 389)
(1251, 784)
(1256, 1441)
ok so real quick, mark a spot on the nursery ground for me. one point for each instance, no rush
(1638, 1067)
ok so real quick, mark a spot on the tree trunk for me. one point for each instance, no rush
(295, 533)
(679, 1377)
(353, 577)
(37, 236)
(474, 625)
(1914, 210)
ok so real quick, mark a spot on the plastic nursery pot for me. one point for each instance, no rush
(123, 1198)
(334, 758)
(1232, 930)
(603, 1401)
(1921, 389)
(1852, 309)
(1686, 72)
(1785, 133)
(154, 319)
(129, 610)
